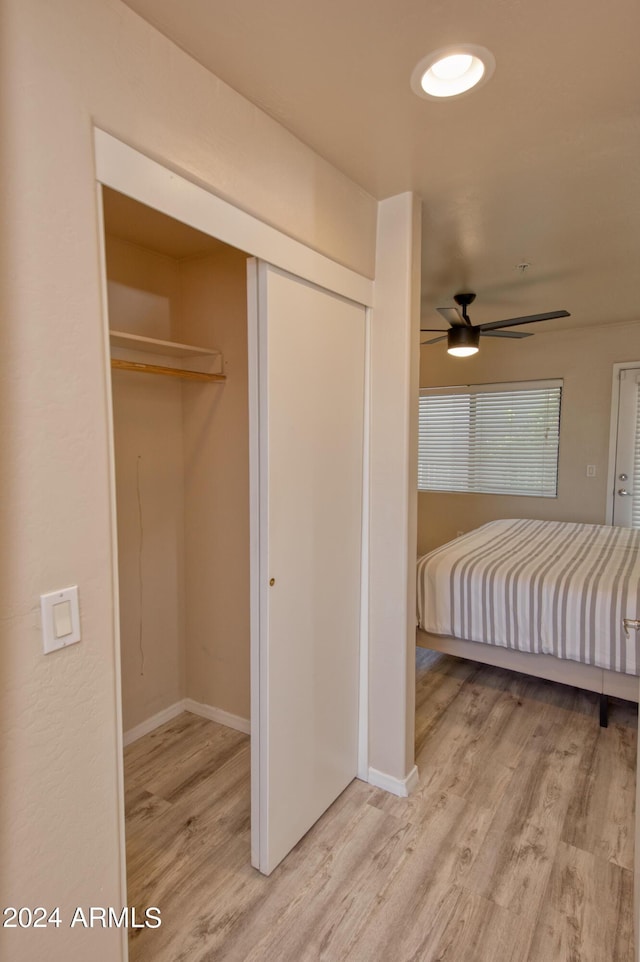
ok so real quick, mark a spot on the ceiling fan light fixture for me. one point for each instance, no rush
(463, 341)
(451, 71)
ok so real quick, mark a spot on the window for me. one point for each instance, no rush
(490, 438)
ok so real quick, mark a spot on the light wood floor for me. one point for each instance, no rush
(517, 846)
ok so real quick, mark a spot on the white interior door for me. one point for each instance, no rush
(307, 354)
(626, 482)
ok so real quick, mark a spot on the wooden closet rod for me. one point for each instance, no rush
(167, 371)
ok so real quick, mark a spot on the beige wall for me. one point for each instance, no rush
(585, 362)
(150, 513)
(63, 67)
(392, 508)
(144, 295)
(182, 486)
(143, 289)
(216, 458)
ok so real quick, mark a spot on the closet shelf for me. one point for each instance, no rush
(150, 355)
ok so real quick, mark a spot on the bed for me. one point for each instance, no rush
(543, 597)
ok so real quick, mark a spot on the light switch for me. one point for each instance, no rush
(60, 614)
(62, 619)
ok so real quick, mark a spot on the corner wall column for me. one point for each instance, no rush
(393, 496)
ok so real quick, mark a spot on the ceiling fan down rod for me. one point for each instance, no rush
(463, 300)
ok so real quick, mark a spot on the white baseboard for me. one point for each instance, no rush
(218, 715)
(196, 708)
(154, 722)
(397, 786)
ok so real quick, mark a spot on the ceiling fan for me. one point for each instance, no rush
(463, 336)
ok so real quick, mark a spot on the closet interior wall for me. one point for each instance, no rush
(182, 475)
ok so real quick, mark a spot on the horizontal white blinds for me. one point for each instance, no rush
(490, 441)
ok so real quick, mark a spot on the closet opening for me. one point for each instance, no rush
(177, 307)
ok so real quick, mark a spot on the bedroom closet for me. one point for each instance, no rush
(239, 488)
(177, 307)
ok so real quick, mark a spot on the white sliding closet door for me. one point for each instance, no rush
(307, 354)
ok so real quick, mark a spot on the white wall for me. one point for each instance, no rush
(65, 66)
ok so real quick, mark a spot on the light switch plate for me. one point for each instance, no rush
(52, 622)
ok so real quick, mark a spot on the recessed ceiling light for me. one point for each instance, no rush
(451, 71)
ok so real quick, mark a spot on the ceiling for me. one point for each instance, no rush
(541, 166)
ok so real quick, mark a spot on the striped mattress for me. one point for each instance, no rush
(548, 587)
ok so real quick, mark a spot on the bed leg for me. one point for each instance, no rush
(604, 711)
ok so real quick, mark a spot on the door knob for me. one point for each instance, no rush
(624, 492)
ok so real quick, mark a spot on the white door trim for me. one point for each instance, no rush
(613, 433)
(132, 173)
(254, 539)
(119, 761)
(363, 703)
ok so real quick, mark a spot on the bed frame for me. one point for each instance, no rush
(600, 680)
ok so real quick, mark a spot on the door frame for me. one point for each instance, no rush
(613, 433)
(132, 173)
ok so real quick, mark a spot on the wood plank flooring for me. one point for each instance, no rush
(517, 845)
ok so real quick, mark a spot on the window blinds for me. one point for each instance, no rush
(491, 439)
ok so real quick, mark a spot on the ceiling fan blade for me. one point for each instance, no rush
(434, 340)
(435, 330)
(506, 334)
(452, 315)
(527, 319)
